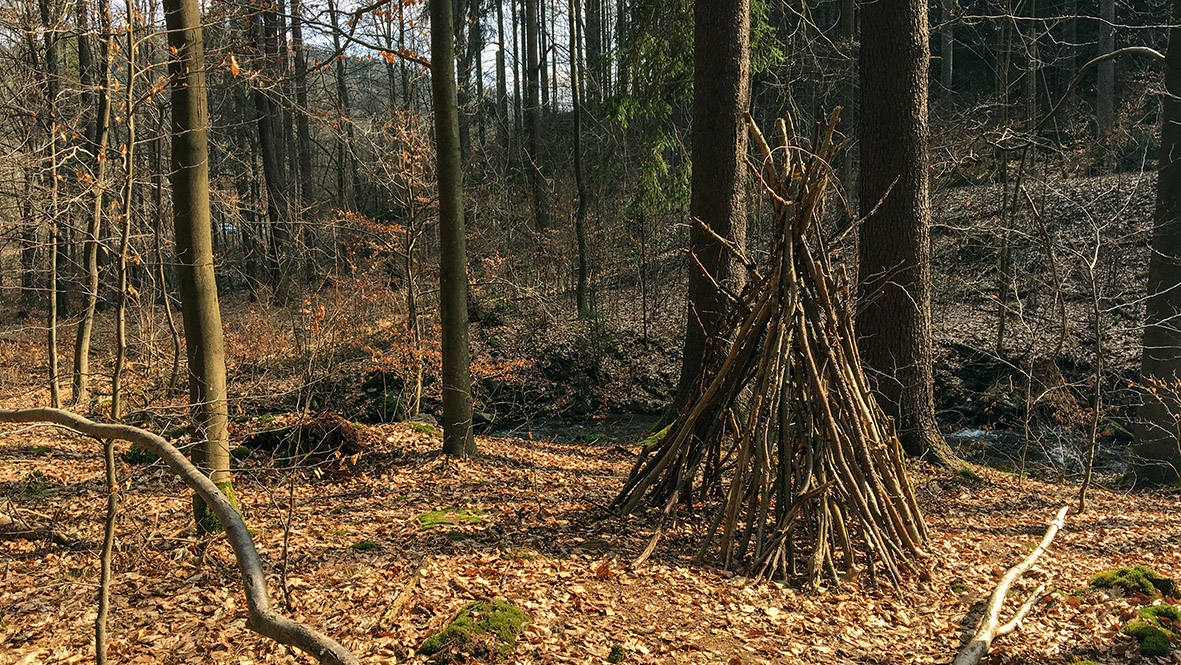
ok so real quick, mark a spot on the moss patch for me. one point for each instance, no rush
(480, 630)
(617, 654)
(207, 522)
(1153, 614)
(958, 586)
(428, 429)
(449, 516)
(654, 439)
(1153, 641)
(364, 546)
(1136, 579)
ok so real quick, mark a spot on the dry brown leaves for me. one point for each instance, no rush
(546, 543)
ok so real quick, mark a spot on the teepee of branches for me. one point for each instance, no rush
(783, 439)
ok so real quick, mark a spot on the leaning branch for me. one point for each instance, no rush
(990, 626)
(262, 618)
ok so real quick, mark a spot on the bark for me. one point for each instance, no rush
(457, 395)
(894, 254)
(261, 618)
(1156, 457)
(104, 585)
(269, 140)
(721, 90)
(200, 313)
(98, 144)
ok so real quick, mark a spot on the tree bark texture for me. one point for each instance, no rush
(1156, 455)
(457, 395)
(196, 282)
(894, 253)
(721, 92)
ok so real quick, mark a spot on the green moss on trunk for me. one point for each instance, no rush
(207, 522)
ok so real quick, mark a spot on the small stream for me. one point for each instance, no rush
(1054, 448)
(608, 427)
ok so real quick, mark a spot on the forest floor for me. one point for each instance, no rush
(545, 542)
(544, 538)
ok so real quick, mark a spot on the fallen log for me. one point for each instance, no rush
(990, 626)
(262, 618)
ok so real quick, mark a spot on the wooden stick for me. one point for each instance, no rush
(990, 627)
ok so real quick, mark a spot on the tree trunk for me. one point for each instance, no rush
(98, 143)
(346, 167)
(125, 236)
(1105, 85)
(894, 253)
(52, 87)
(533, 111)
(591, 74)
(721, 89)
(579, 176)
(1156, 457)
(502, 116)
(947, 49)
(302, 129)
(269, 138)
(457, 395)
(197, 283)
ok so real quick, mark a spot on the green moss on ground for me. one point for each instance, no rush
(207, 522)
(653, 439)
(958, 586)
(1153, 614)
(1135, 579)
(480, 630)
(364, 546)
(1153, 640)
(617, 654)
(456, 536)
(449, 516)
(428, 429)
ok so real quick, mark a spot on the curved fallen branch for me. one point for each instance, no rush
(262, 618)
(990, 626)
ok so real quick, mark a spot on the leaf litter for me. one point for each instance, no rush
(544, 542)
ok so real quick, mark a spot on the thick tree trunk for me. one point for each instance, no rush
(721, 92)
(457, 395)
(894, 254)
(1156, 455)
(197, 283)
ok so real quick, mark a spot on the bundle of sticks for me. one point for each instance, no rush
(783, 440)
